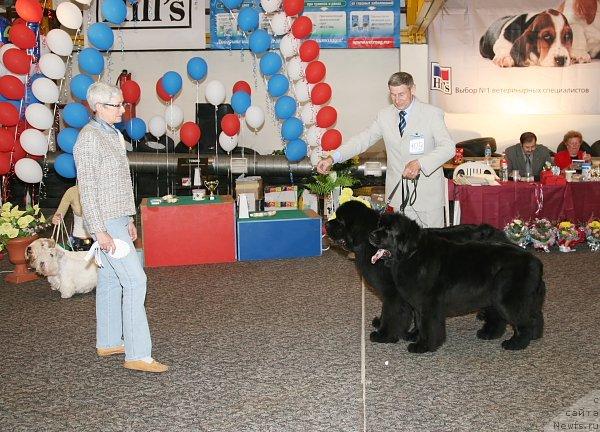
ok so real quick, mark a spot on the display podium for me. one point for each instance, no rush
(287, 234)
(189, 232)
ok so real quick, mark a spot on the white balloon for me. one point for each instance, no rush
(59, 42)
(215, 92)
(289, 45)
(314, 135)
(157, 126)
(255, 117)
(69, 15)
(84, 2)
(52, 65)
(45, 90)
(173, 116)
(226, 142)
(270, 5)
(308, 114)
(39, 116)
(280, 23)
(28, 170)
(34, 142)
(296, 68)
(302, 91)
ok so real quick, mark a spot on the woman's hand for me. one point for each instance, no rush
(56, 218)
(106, 242)
(132, 231)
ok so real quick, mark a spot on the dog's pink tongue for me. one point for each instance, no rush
(379, 254)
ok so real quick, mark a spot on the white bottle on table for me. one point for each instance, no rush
(488, 154)
(503, 168)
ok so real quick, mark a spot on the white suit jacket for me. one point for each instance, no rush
(424, 121)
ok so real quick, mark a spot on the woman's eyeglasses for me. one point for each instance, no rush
(120, 105)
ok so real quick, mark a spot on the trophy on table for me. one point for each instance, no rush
(211, 185)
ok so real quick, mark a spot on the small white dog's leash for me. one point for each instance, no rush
(122, 249)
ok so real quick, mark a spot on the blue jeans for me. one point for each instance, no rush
(120, 296)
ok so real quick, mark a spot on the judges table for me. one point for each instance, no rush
(498, 205)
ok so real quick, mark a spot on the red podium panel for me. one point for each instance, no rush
(187, 234)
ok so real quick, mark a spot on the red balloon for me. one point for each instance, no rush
(242, 86)
(18, 152)
(320, 94)
(7, 140)
(22, 36)
(160, 90)
(331, 139)
(29, 10)
(131, 91)
(309, 50)
(190, 134)
(9, 115)
(315, 72)
(4, 163)
(326, 117)
(17, 61)
(293, 7)
(11, 87)
(230, 124)
(302, 27)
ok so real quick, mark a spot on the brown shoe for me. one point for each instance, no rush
(104, 352)
(141, 365)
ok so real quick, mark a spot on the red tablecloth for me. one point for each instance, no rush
(498, 205)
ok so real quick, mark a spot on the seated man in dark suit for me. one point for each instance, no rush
(528, 157)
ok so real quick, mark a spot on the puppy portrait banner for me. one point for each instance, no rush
(514, 57)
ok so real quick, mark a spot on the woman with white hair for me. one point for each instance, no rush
(108, 206)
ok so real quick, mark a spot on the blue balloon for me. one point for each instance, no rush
(172, 82)
(259, 41)
(135, 128)
(278, 85)
(76, 115)
(64, 165)
(240, 101)
(91, 61)
(114, 11)
(270, 63)
(101, 36)
(79, 85)
(248, 19)
(232, 4)
(285, 107)
(292, 128)
(295, 150)
(67, 138)
(197, 68)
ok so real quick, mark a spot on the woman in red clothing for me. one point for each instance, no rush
(572, 141)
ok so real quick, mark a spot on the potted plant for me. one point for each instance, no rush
(18, 228)
(329, 186)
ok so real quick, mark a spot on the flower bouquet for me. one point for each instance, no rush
(568, 235)
(517, 232)
(592, 231)
(19, 223)
(542, 234)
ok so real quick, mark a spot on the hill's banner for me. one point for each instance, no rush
(336, 24)
(515, 57)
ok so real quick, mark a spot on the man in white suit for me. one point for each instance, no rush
(417, 144)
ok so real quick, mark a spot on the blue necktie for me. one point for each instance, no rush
(402, 123)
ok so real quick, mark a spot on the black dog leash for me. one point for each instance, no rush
(408, 198)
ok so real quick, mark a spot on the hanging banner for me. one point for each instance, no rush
(157, 25)
(514, 57)
(336, 24)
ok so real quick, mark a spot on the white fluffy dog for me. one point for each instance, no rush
(67, 272)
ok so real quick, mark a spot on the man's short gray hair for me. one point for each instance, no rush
(101, 92)
(401, 78)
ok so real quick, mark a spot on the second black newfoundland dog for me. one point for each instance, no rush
(441, 279)
(351, 228)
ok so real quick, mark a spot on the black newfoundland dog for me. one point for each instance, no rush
(351, 228)
(439, 279)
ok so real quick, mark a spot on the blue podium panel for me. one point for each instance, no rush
(287, 234)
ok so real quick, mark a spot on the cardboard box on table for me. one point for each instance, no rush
(289, 234)
(189, 232)
(281, 198)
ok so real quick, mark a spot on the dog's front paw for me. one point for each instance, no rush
(515, 344)
(504, 61)
(411, 336)
(580, 56)
(417, 348)
(380, 337)
(376, 322)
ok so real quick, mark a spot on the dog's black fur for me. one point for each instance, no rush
(441, 278)
(351, 227)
